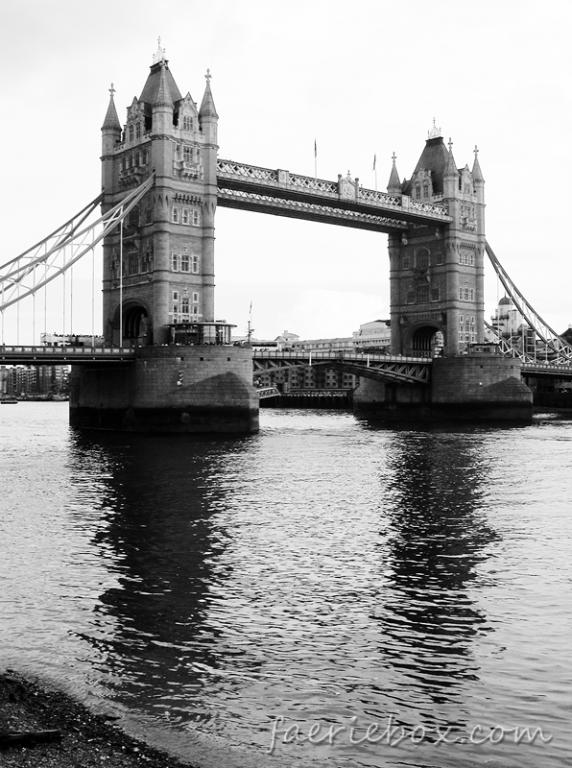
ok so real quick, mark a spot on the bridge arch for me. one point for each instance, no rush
(137, 326)
(425, 338)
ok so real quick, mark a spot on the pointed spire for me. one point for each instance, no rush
(163, 97)
(451, 167)
(207, 104)
(394, 185)
(111, 121)
(477, 173)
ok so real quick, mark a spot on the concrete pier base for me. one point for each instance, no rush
(372, 394)
(476, 387)
(169, 389)
(480, 386)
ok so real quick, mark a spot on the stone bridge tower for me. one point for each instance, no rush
(436, 274)
(162, 260)
(158, 277)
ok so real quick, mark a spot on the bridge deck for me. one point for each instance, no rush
(41, 355)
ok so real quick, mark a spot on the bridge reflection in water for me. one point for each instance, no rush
(320, 571)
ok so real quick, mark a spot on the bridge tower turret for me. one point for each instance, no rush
(159, 267)
(437, 273)
(110, 139)
(208, 121)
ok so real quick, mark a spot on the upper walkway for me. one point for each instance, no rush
(345, 202)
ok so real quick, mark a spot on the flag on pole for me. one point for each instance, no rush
(374, 161)
(315, 149)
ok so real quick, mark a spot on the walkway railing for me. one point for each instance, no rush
(42, 355)
(361, 357)
(241, 176)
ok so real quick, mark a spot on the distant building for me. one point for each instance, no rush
(286, 339)
(28, 381)
(70, 340)
(338, 344)
(374, 336)
(507, 320)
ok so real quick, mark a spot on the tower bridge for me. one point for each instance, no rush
(162, 181)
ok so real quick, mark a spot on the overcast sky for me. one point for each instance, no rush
(361, 78)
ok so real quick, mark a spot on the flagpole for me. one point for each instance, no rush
(315, 159)
(375, 171)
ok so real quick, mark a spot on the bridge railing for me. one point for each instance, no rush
(363, 357)
(85, 351)
(343, 188)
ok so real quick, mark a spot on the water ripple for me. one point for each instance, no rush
(326, 573)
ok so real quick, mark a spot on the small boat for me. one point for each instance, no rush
(7, 401)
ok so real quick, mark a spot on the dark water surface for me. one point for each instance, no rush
(226, 595)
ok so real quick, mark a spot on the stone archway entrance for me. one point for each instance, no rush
(136, 330)
(135, 324)
(427, 340)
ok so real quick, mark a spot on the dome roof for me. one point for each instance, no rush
(505, 301)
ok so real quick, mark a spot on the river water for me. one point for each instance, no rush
(327, 592)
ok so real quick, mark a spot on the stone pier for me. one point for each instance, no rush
(169, 389)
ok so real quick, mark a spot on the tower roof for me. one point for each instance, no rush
(433, 158)
(451, 166)
(394, 185)
(160, 86)
(111, 119)
(477, 173)
(207, 104)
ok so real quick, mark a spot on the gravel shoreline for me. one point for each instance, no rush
(87, 740)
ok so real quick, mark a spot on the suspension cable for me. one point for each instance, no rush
(16, 275)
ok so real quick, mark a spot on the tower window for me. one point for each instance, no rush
(194, 264)
(185, 216)
(196, 217)
(467, 257)
(195, 297)
(185, 264)
(175, 262)
(466, 294)
(130, 133)
(175, 215)
(422, 294)
(188, 154)
(138, 131)
(187, 123)
(422, 259)
(185, 305)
